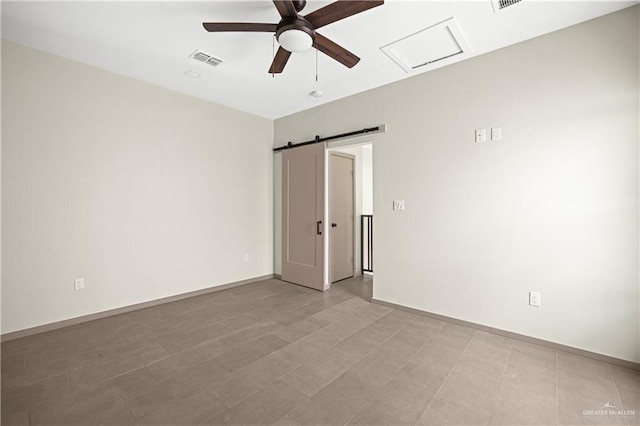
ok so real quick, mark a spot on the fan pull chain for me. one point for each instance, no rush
(317, 92)
(273, 56)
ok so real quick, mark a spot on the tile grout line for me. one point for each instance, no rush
(291, 344)
(354, 416)
(232, 317)
(382, 343)
(289, 418)
(500, 382)
(413, 356)
(128, 409)
(217, 337)
(155, 380)
(306, 305)
(448, 375)
(361, 359)
(336, 378)
(389, 338)
(520, 386)
(299, 405)
(403, 365)
(613, 380)
(416, 353)
(359, 330)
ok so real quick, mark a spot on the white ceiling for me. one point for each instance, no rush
(152, 41)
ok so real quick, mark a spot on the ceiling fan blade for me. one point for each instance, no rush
(335, 51)
(282, 56)
(339, 10)
(286, 8)
(239, 26)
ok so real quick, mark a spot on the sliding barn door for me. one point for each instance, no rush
(303, 215)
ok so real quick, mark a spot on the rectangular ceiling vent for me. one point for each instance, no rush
(441, 42)
(206, 58)
(498, 5)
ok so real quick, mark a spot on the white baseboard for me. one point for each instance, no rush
(111, 312)
(523, 338)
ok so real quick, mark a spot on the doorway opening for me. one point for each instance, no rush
(303, 223)
(350, 205)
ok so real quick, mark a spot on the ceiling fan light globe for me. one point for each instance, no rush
(295, 40)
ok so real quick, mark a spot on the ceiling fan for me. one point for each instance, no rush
(297, 33)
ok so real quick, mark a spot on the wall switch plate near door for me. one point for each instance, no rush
(398, 205)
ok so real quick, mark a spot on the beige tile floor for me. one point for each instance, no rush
(276, 353)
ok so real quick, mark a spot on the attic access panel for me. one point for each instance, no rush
(436, 43)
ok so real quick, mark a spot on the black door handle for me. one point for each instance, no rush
(334, 225)
(318, 225)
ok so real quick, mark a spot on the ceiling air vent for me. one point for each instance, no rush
(206, 58)
(498, 5)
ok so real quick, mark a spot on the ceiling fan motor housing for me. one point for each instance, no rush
(295, 28)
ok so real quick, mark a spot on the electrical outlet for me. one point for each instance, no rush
(481, 135)
(246, 257)
(496, 133)
(534, 299)
(398, 205)
(78, 283)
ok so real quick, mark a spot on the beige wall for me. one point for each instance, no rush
(552, 207)
(147, 193)
(1, 267)
(144, 192)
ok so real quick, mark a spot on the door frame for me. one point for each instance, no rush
(372, 138)
(329, 188)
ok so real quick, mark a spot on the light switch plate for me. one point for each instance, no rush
(78, 283)
(398, 205)
(481, 135)
(496, 133)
